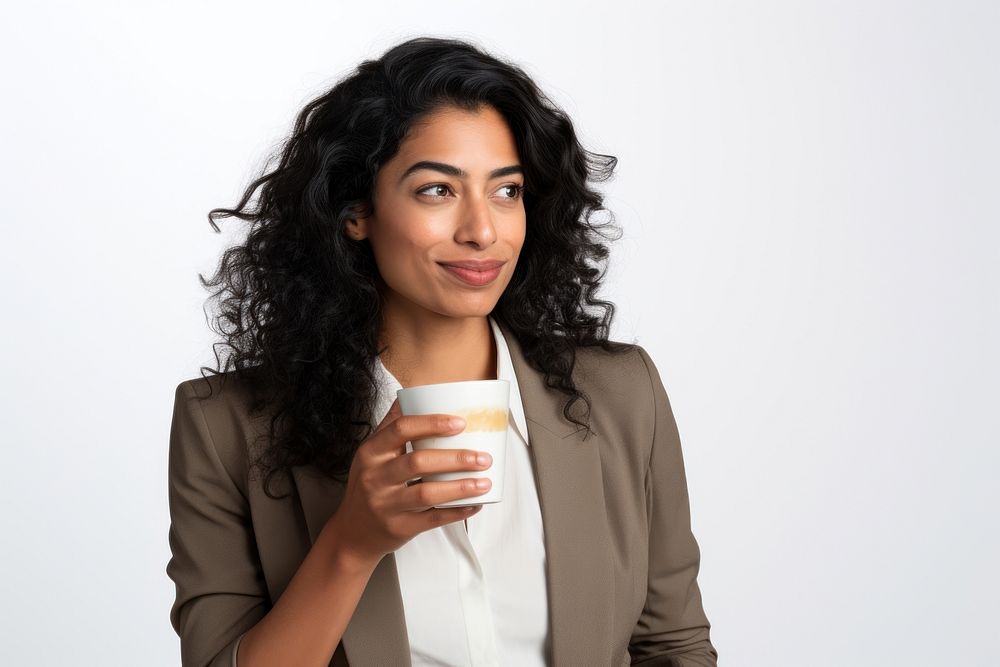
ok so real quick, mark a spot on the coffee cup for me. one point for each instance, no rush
(485, 406)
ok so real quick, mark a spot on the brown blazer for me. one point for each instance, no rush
(621, 559)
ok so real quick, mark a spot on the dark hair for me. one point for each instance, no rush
(299, 302)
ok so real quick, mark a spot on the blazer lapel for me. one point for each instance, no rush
(570, 487)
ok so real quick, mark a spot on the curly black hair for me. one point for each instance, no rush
(299, 304)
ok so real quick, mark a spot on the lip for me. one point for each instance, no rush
(472, 276)
(476, 264)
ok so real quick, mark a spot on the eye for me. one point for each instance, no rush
(518, 190)
(427, 190)
(432, 187)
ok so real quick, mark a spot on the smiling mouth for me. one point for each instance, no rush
(472, 276)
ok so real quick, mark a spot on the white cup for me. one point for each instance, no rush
(485, 406)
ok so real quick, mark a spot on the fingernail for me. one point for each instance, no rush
(483, 459)
(482, 482)
(456, 422)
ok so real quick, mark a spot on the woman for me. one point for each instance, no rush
(346, 288)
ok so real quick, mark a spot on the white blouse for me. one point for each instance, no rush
(477, 596)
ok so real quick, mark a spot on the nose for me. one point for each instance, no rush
(476, 224)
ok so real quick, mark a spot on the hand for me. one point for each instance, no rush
(379, 513)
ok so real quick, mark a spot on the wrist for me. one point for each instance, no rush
(340, 555)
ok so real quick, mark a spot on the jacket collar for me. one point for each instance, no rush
(579, 562)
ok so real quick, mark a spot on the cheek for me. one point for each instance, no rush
(402, 250)
(517, 239)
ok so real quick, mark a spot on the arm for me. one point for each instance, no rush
(222, 604)
(220, 590)
(673, 630)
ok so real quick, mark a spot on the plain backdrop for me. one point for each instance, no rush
(809, 196)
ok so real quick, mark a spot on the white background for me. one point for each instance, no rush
(809, 193)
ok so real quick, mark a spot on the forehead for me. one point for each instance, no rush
(451, 131)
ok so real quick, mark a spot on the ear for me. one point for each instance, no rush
(356, 226)
(355, 229)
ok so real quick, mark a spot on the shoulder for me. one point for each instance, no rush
(619, 381)
(215, 390)
(623, 398)
(619, 372)
(222, 404)
(625, 382)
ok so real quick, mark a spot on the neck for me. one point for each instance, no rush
(428, 348)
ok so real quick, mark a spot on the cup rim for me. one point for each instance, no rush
(451, 384)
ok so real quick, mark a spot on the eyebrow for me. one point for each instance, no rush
(452, 170)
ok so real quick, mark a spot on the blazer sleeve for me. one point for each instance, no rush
(672, 630)
(220, 588)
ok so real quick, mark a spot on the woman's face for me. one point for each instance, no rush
(426, 215)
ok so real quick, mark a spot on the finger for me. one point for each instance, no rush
(436, 516)
(420, 497)
(390, 441)
(421, 462)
